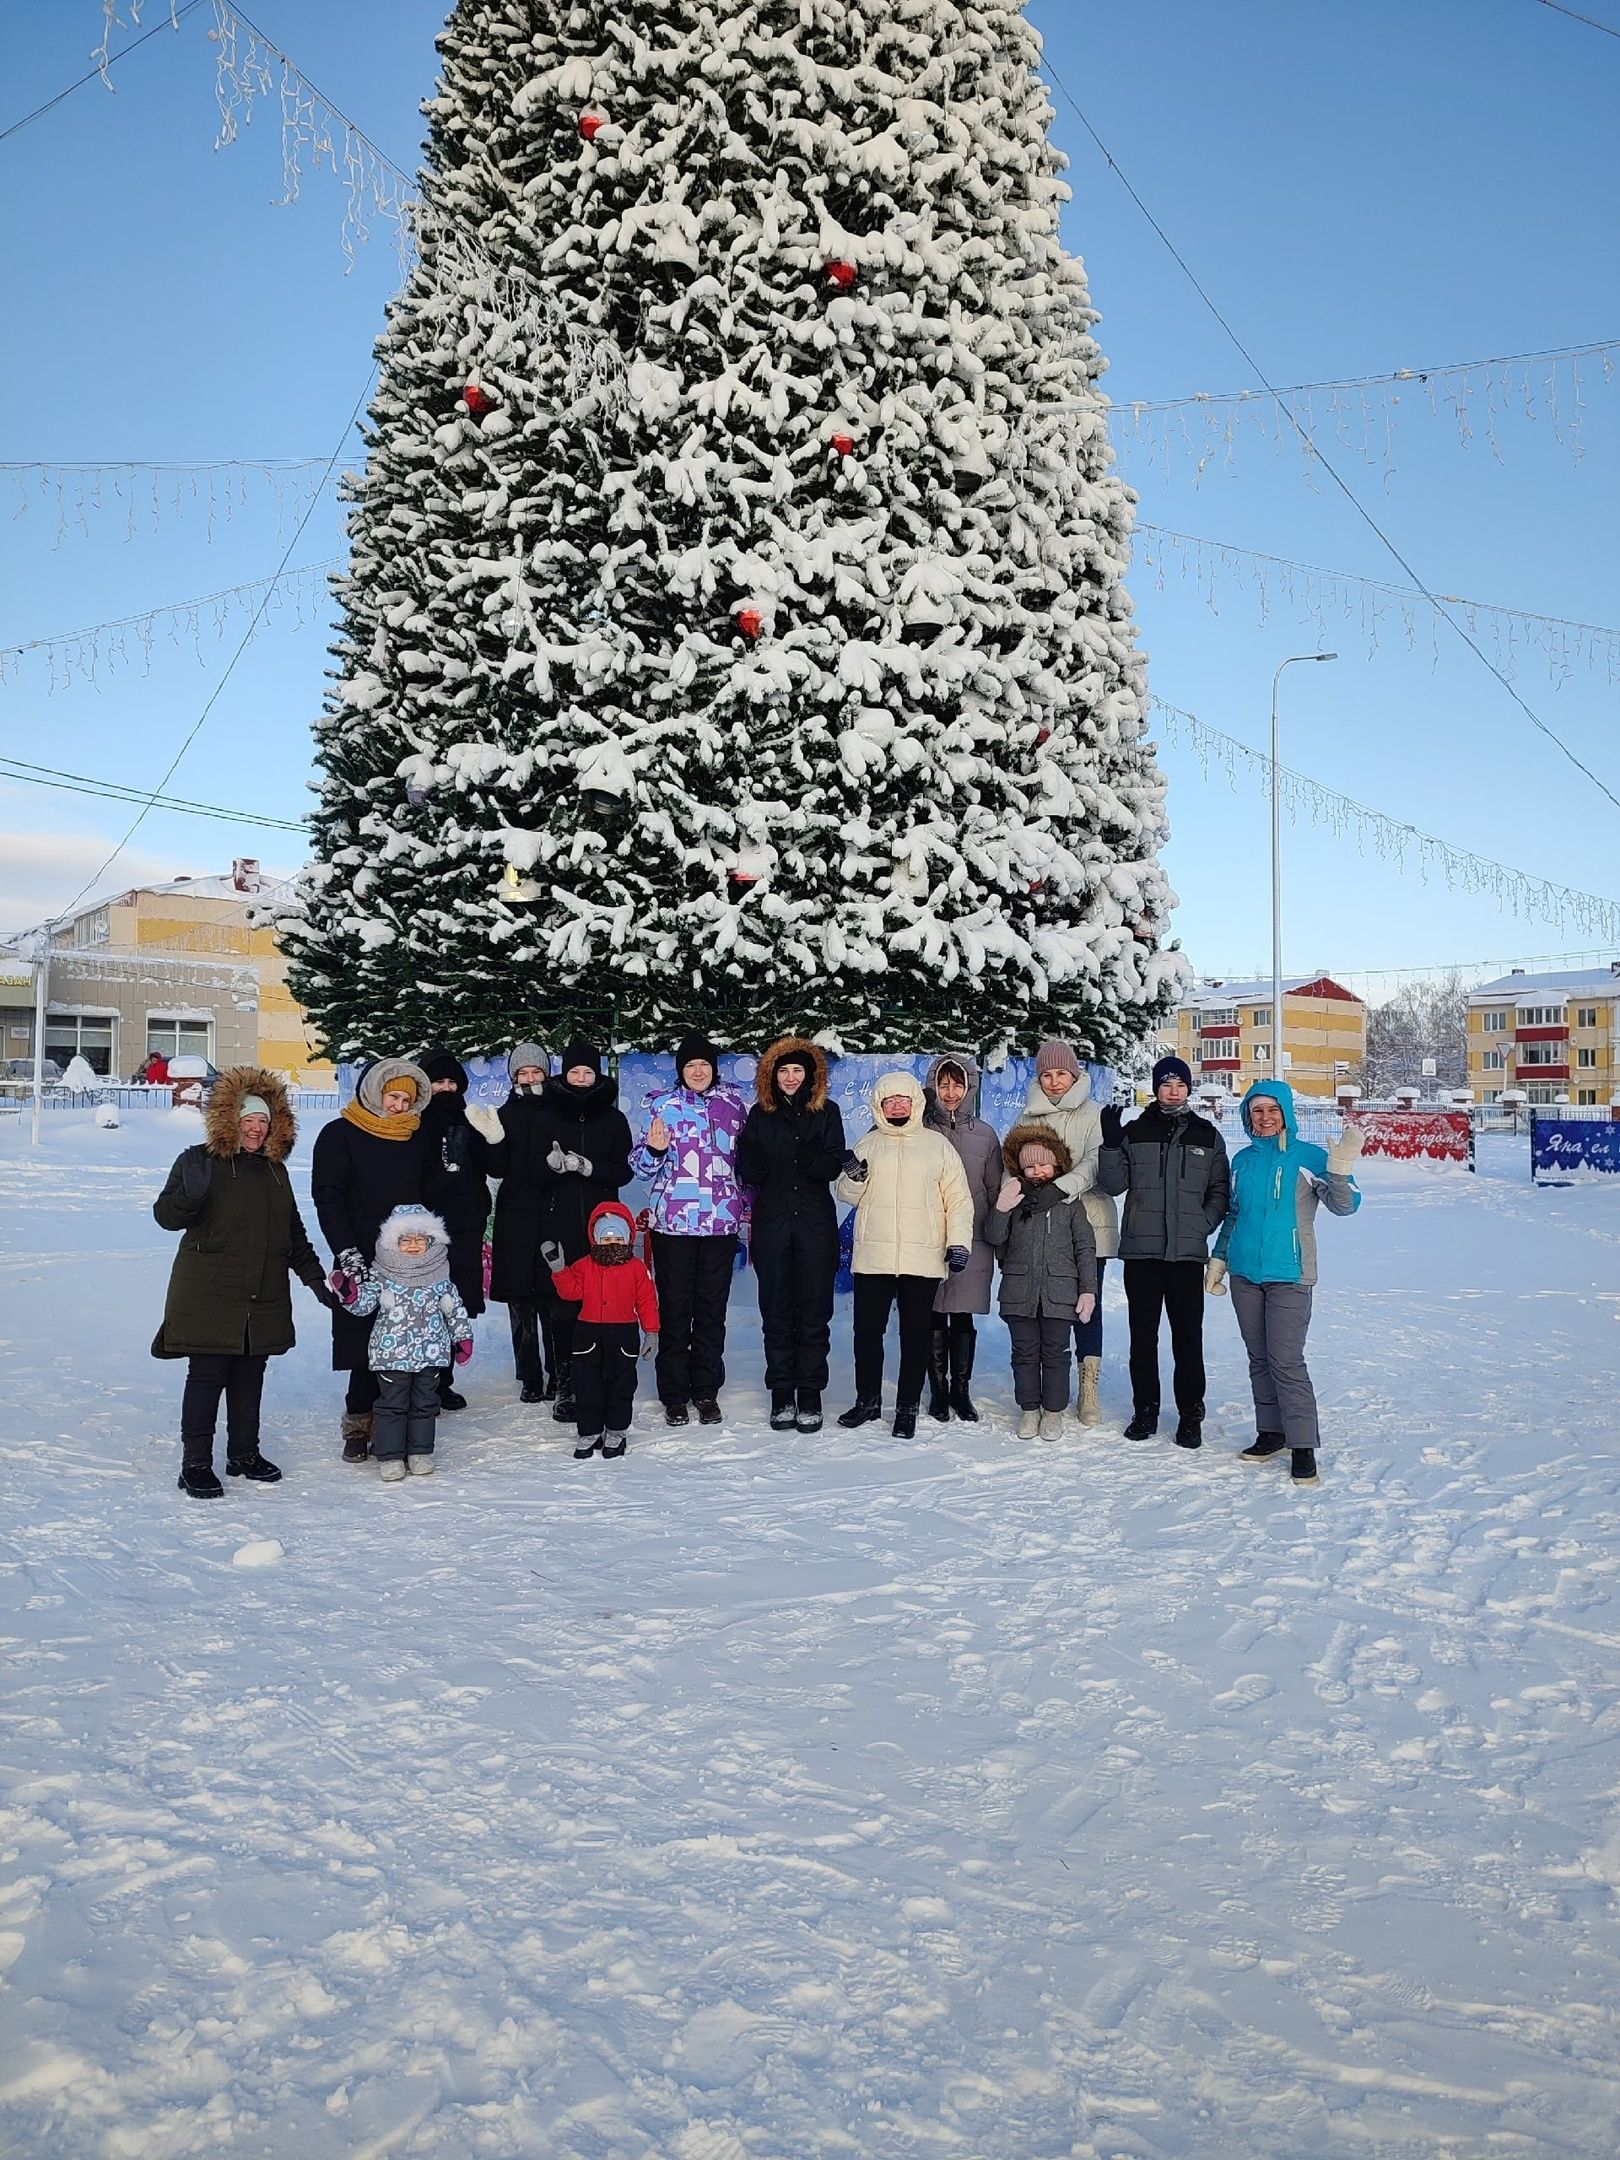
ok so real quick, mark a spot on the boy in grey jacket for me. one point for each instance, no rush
(1048, 1252)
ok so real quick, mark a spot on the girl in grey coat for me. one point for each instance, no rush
(1049, 1273)
(949, 1096)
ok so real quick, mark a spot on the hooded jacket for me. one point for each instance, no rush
(363, 1167)
(693, 1184)
(1269, 1235)
(228, 1289)
(791, 1147)
(535, 1202)
(419, 1313)
(1078, 1122)
(1048, 1252)
(619, 1295)
(914, 1202)
(976, 1143)
(1174, 1175)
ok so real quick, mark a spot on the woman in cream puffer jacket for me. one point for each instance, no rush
(913, 1225)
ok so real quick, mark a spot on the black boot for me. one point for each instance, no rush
(1189, 1430)
(708, 1411)
(257, 1467)
(675, 1413)
(939, 1371)
(1266, 1445)
(199, 1482)
(866, 1408)
(809, 1417)
(963, 1344)
(905, 1421)
(356, 1429)
(448, 1397)
(562, 1409)
(1302, 1466)
(784, 1410)
(1144, 1424)
(534, 1394)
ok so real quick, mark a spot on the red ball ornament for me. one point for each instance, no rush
(750, 621)
(477, 400)
(591, 125)
(844, 445)
(1037, 884)
(1043, 735)
(842, 274)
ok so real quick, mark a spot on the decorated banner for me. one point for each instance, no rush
(1417, 1135)
(1562, 1149)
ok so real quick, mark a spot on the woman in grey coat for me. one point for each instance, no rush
(952, 1089)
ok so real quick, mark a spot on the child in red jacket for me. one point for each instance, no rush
(618, 1314)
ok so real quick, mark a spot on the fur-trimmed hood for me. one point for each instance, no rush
(427, 1267)
(792, 1049)
(1023, 1135)
(222, 1113)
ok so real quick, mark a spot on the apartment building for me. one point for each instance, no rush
(1223, 1031)
(1555, 1037)
(179, 968)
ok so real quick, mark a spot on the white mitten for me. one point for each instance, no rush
(486, 1121)
(1345, 1152)
(1215, 1278)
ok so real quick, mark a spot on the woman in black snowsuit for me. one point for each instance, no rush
(455, 1160)
(790, 1149)
(565, 1149)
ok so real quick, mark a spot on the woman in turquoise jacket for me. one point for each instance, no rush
(1267, 1248)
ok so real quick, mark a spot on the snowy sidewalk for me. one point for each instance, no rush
(760, 1798)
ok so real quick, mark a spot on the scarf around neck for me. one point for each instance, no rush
(381, 1128)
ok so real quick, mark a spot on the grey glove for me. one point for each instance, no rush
(195, 1172)
(552, 1254)
(956, 1258)
(649, 1343)
(565, 1162)
(854, 1168)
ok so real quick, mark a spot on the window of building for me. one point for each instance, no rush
(1542, 1094)
(1260, 1017)
(1541, 1015)
(1219, 1016)
(1586, 1057)
(1586, 1016)
(1262, 1053)
(1553, 1053)
(91, 929)
(1492, 1095)
(70, 1035)
(179, 1038)
(1493, 1060)
(1586, 1095)
(1493, 1021)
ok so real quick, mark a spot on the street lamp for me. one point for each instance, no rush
(1293, 660)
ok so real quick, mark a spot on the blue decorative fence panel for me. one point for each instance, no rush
(1564, 1148)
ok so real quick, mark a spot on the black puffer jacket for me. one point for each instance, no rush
(357, 1180)
(1176, 1179)
(791, 1148)
(536, 1202)
(455, 1184)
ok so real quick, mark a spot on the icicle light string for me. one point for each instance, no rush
(1376, 608)
(1321, 458)
(145, 493)
(48, 776)
(1459, 869)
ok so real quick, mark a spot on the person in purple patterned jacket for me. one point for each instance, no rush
(698, 1210)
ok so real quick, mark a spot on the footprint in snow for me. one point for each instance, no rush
(1246, 1690)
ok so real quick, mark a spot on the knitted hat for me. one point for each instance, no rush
(579, 1053)
(383, 1074)
(445, 1065)
(1054, 1056)
(1035, 1152)
(610, 1230)
(252, 1106)
(518, 1056)
(694, 1046)
(1172, 1068)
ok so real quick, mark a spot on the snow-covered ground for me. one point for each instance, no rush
(759, 1797)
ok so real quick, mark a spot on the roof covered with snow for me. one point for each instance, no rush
(1567, 979)
(1237, 993)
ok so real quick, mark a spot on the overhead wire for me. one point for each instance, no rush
(1575, 15)
(50, 776)
(99, 71)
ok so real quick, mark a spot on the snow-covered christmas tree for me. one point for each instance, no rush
(735, 627)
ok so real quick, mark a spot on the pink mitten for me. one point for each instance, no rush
(343, 1287)
(463, 1351)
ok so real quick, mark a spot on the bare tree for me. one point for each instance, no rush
(1425, 1020)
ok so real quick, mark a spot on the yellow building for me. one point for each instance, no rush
(1555, 1037)
(1222, 1030)
(180, 969)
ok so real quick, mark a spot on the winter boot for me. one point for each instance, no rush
(356, 1430)
(1144, 1424)
(866, 1408)
(708, 1411)
(939, 1371)
(533, 1394)
(586, 1446)
(255, 1466)
(675, 1413)
(905, 1421)
(784, 1410)
(1089, 1408)
(809, 1416)
(1189, 1431)
(613, 1446)
(393, 1471)
(1051, 1425)
(419, 1465)
(1029, 1424)
(449, 1398)
(1266, 1445)
(562, 1408)
(963, 1345)
(200, 1483)
(1302, 1466)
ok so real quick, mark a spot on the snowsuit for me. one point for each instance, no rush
(536, 1203)
(912, 1205)
(1172, 1168)
(1268, 1242)
(419, 1320)
(616, 1301)
(698, 1209)
(229, 1308)
(364, 1166)
(1078, 1122)
(788, 1153)
(1048, 1254)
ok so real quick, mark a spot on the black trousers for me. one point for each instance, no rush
(795, 1264)
(1175, 1287)
(240, 1379)
(534, 1339)
(604, 1367)
(360, 1397)
(693, 1278)
(875, 1298)
(406, 1414)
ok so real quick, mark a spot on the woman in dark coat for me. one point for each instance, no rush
(566, 1149)
(950, 1095)
(229, 1307)
(455, 1160)
(789, 1150)
(366, 1163)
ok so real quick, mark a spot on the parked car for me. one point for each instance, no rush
(23, 1069)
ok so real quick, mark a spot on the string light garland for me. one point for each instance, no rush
(1392, 839)
(146, 491)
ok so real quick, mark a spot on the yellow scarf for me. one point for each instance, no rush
(381, 1128)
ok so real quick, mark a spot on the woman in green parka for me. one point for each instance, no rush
(229, 1306)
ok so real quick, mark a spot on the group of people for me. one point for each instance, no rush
(941, 1205)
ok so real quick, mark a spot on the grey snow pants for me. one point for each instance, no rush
(1040, 1360)
(1273, 1319)
(407, 1412)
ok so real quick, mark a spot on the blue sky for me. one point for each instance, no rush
(1359, 190)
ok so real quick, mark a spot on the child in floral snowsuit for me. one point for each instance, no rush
(420, 1324)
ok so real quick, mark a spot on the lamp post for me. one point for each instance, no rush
(1293, 660)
